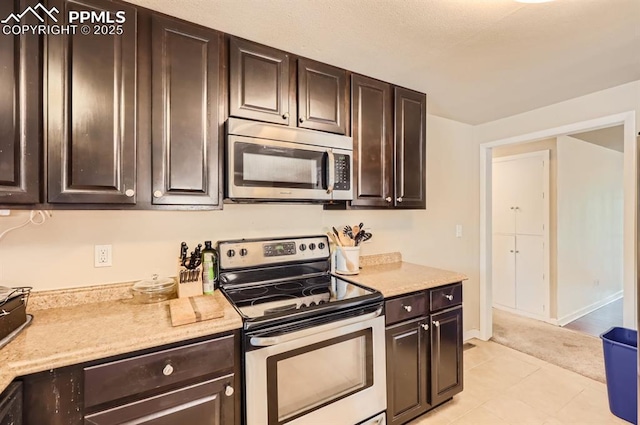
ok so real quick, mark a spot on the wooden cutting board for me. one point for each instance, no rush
(194, 309)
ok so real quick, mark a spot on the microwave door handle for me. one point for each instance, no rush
(331, 167)
(258, 341)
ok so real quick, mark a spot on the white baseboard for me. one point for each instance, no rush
(588, 309)
(524, 313)
(470, 334)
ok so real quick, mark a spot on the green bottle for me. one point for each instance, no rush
(209, 266)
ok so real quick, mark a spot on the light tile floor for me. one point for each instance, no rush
(504, 386)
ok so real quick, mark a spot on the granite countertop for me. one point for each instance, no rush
(392, 276)
(62, 336)
(79, 325)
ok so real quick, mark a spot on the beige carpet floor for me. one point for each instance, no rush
(568, 349)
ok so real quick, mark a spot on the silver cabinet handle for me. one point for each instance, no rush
(157, 194)
(425, 326)
(332, 171)
(436, 324)
(511, 250)
(228, 390)
(168, 370)
(513, 208)
(448, 296)
(399, 199)
(388, 199)
(517, 252)
(129, 193)
(285, 116)
(408, 308)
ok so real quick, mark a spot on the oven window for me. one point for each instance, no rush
(313, 376)
(270, 166)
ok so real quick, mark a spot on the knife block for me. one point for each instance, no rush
(190, 287)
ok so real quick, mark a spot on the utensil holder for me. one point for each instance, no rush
(189, 282)
(353, 254)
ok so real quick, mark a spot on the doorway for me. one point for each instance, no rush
(627, 120)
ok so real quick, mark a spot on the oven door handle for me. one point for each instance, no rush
(331, 169)
(259, 341)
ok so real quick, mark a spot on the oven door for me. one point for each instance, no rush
(333, 373)
(273, 170)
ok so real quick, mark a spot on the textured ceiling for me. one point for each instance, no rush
(610, 137)
(478, 60)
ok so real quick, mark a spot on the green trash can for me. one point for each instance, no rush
(620, 347)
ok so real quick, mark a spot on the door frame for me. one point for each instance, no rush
(545, 156)
(628, 120)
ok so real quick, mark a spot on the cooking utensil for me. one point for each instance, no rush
(350, 266)
(154, 290)
(366, 236)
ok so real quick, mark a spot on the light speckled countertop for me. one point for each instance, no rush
(60, 337)
(397, 278)
(80, 325)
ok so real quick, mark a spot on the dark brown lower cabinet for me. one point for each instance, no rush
(407, 370)
(446, 355)
(11, 405)
(424, 351)
(203, 403)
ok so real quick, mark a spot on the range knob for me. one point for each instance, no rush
(243, 252)
(312, 246)
(321, 245)
(231, 253)
(302, 247)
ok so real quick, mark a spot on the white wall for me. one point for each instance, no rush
(590, 209)
(59, 254)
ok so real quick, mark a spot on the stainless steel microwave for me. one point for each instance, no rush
(269, 162)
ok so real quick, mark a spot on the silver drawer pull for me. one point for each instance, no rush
(425, 326)
(129, 193)
(168, 370)
(228, 390)
(436, 324)
(408, 308)
(448, 296)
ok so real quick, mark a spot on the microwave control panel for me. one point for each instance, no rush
(343, 172)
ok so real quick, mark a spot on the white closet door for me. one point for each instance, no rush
(504, 186)
(530, 284)
(504, 271)
(528, 197)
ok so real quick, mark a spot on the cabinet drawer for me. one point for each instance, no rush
(407, 307)
(445, 297)
(115, 380)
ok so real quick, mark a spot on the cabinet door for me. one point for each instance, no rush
(410, 149)
(407, 370)
(529, 196)
(446, 355)
(503, 270)
(91, 110)
(185, 87)
(20, 93)
(529, 274)
(259, 82)
(207, 403)
(504, 184)
(371, 105)
(11, 405)
(321, 97)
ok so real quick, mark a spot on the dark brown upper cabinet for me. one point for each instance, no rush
(371, 106)
(389, 143)
(262, 87)
(91, 110)
(185, 93)
(259, 82)
(20, 94)
(410, 144)
(322, 97)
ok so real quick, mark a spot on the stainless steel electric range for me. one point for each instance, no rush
(313, 342)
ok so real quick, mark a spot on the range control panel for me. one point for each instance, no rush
(261, 252)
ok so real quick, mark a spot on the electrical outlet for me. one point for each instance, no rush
(102, 256)
(458, 230)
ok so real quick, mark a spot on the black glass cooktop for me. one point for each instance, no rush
(296, 295)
